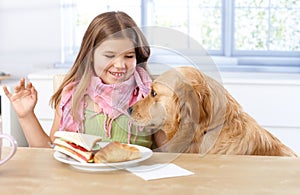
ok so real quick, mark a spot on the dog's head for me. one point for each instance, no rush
(185, 104)
(179, 97)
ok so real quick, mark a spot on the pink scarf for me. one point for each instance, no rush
(113, 100)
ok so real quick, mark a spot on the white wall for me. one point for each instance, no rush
(30, 36)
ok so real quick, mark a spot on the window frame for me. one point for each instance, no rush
(262, 61)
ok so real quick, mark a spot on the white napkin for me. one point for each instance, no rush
(159, 171)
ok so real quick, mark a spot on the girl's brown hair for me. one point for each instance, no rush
(104, 26)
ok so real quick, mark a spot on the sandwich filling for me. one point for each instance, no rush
(73, 150)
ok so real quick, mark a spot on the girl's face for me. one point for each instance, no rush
(115, 60)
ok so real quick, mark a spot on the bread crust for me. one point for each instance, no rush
(116, 152)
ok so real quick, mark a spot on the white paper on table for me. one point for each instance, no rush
(159, 171)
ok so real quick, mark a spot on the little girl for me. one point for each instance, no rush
(108, 76)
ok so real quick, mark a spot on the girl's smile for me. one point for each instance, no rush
(117, 74)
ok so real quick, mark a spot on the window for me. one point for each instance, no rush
(265, 25)
(254, 33)
(201, 20)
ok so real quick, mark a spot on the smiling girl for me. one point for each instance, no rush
(108, 76)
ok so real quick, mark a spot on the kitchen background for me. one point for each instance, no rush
(38, 40)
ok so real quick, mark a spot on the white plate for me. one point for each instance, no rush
(94, 167)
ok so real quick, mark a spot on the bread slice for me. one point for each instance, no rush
(116, 152)
(84, 140)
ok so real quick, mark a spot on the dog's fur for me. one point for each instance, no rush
(193, 113)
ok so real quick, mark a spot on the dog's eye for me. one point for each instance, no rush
(153, 93)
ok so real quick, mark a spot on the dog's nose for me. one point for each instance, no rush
(129, 110)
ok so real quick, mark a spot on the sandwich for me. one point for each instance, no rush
(76, 145)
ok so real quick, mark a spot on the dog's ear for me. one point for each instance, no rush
(188, 101)
(205, 104)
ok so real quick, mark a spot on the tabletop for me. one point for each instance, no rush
(36, 171)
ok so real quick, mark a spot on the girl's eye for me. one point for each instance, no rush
(153, 93)
(109, 56)
(130, 56)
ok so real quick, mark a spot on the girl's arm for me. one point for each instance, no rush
(33, 131)
(24, 100)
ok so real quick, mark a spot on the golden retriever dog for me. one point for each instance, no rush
(191, 112)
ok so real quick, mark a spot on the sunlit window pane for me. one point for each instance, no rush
(266, 25)
(201, 20)
(251, 3)
(172, 14)
(206, 26)
(285, 26)
(251, 29)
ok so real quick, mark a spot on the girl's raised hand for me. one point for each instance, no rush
(23, 99)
